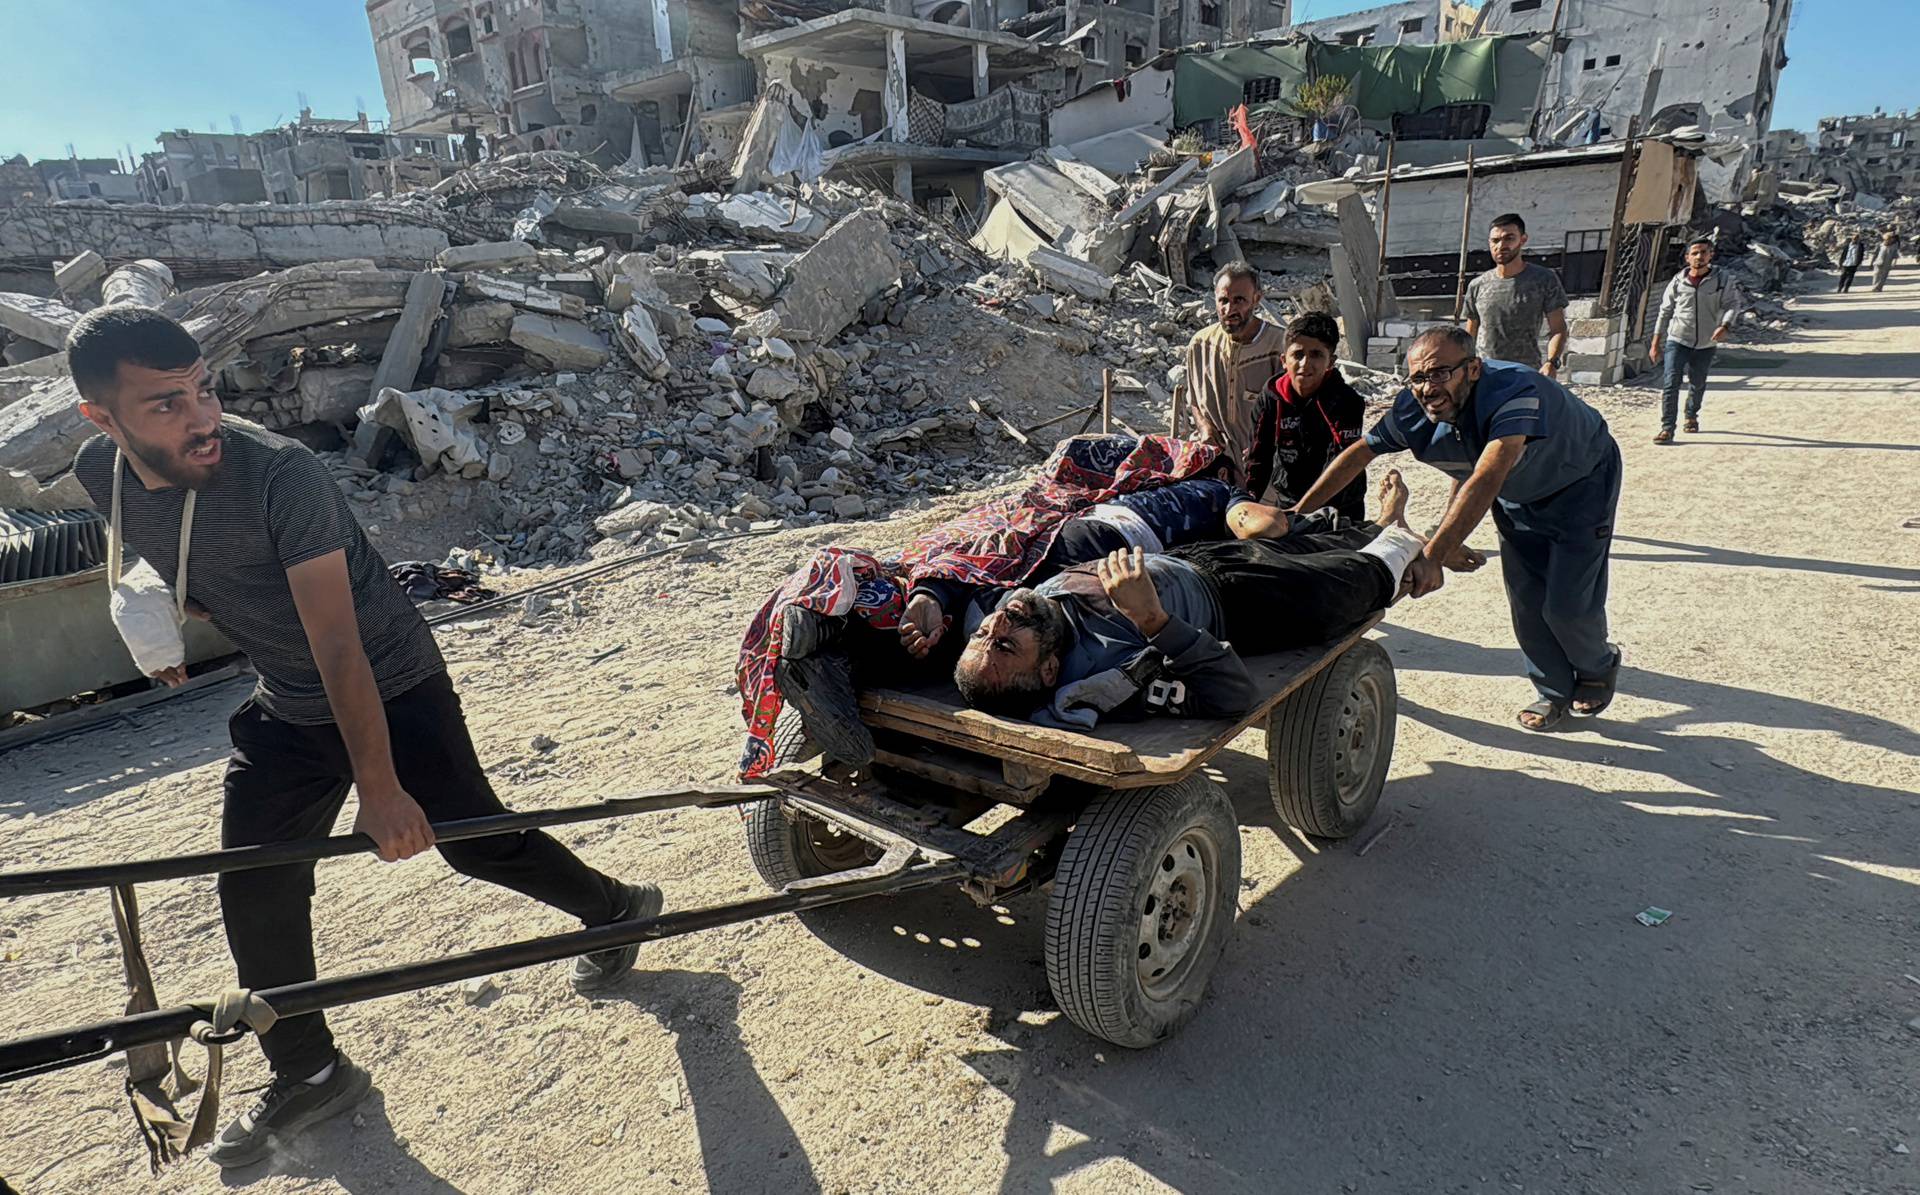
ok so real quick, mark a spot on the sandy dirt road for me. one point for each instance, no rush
(1469, 1007)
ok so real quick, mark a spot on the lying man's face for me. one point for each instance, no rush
(1011, 663)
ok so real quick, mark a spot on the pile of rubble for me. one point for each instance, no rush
(637, 356)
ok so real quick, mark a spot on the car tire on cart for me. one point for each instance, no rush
(1330, 743)
(1143, 902)
(785, 847)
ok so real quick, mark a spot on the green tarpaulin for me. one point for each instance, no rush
(1383, 80)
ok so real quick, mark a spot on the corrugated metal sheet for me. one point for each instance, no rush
(34, 545)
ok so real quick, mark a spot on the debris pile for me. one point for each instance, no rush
(635, 355)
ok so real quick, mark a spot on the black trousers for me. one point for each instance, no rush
(1846, 276)
(1294, 592)
(286, 782)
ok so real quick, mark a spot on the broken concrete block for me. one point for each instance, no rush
(635, 518)
(829, 283)
(1069, 275)
(559, 344)
(480, 323)
(400, 363)
(19, 352)
(74, 276)
(488, 255)
(757, 428)
(1041, 305)
(774, 383)
(763, 215)
(629, 278)
(43, 321)
(641, 340)
(522, 295)
(332, 395)
(146, 282)
(436, 423)
(753, 275)
(21, 491)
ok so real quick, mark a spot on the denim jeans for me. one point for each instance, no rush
(1677, 359)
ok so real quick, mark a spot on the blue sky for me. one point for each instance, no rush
(107, 73)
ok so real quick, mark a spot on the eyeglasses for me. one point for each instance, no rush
(1439, 375)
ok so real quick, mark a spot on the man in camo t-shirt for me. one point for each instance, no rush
(352, 690)
(1507, 304)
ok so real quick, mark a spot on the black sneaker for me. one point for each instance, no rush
(602, 968)
(286, 1107)
(822, 686)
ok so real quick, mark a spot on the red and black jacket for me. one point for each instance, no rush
(1295, 439)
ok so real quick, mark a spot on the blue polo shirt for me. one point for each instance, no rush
(1566, 438)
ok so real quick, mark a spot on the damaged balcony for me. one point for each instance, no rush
(890, 93)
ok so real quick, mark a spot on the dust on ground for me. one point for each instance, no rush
(1471, 1006)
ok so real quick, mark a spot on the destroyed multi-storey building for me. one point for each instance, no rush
(1789, 155)
(1878, 153)
(1114, 36)
(87, 178)
(920, 106)
(1712, 64)
(698, 91)
(19, 182)
(515, 76)
(1413, 23)
(310, 160)
(192, 167)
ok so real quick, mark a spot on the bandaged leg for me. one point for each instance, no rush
(1395, 547)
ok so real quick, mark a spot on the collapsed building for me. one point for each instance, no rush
(310, 160)
(1659, 67)
(1878, 153)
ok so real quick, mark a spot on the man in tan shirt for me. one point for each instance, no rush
(1230, 364)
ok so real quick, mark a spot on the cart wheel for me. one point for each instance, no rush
(1143, 901)
(787, 847)
(1330, 743)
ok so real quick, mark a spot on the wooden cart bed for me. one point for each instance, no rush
(1010, 759)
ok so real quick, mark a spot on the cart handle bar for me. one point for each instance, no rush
(306, 850)
(71, 1047)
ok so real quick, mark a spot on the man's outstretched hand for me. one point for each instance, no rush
(922, 625)
(395, 822)
(1123, 574)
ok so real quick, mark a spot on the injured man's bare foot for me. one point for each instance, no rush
(1393, 500)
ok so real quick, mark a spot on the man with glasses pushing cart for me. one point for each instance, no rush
(1518, 443)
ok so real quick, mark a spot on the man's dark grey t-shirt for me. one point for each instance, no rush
(1511, 310)
(271, 505)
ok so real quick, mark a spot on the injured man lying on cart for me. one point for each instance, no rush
(1133, 635)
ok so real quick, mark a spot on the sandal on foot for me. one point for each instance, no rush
(1663, 436)
(1596, 692)
(1691, 425)
(1550, 713)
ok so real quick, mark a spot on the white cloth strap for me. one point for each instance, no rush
(114, 562)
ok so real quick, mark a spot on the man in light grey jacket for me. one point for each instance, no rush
(1696, 312)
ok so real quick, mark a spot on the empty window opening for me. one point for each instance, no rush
(418, 48)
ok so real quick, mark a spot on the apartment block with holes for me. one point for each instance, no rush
(510, 76)
(1419, 22)
(1711, 64)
